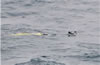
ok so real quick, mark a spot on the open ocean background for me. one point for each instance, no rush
(55, 17)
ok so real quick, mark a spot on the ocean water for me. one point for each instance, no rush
(55, 18)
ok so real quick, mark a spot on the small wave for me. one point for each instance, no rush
(89, 45)
(41, 1)
(20, 13)
(39, 61)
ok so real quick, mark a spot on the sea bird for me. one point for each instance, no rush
(72, 33)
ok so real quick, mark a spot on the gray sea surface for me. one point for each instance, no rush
(55, 18)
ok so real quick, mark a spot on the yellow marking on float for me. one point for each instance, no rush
(38, 34)
(23, 34)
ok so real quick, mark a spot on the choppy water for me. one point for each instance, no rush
(55, 17)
